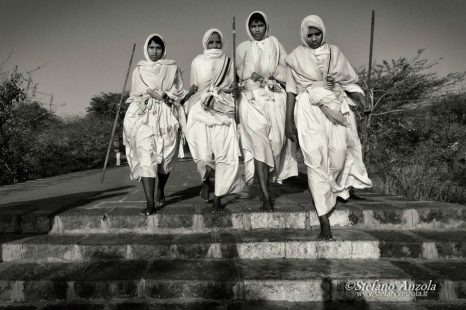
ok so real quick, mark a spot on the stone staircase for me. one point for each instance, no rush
(400, 254)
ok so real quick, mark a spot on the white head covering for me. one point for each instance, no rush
(214, 52)
(312, 21)
(248, 31)
(146, 45)
(207, 34)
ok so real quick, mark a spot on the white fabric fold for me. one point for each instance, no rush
(262, 109)
(265, 57)
(150, 127)
(212, 136)
(311, 66)
(332, 153)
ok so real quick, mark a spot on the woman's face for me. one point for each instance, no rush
(257, 29)
(155, 51)
(314, 37)
(214, 41)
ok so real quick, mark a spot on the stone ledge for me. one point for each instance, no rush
(256, 244)
(84, 221)
(276, 280)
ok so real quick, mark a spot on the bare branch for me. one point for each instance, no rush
(392, 111)
(37, 68)
(37, 117)
(379, 100)
(7, 167)
(6, 59)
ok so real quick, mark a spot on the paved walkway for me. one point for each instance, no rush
(30, 207)
(57, 194)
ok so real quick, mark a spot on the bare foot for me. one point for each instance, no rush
(261, 198)
(148, 210)
(205, 189)
(325, 230)
(217, 205)
(160, 199)
(266, 206)
(325, 237)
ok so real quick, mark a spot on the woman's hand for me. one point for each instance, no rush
(257, 77)
(335, 117)
(155, 94)
(192, 90)
(290, 131)
(367, 109)
(361, 100)
(235, 92)
(330, 82)
(168, 101)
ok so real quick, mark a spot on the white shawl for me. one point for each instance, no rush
(264, 57)
(160, 75)
(205, 69)
(316, 64)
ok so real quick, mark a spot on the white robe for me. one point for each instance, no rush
(151, 127)
(332, 153)
(212, 136)
(262, 111)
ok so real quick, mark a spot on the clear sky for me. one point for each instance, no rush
(86, 44)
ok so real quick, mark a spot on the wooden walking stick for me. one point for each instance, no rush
(370, 93)
(110, 143)
(235, 81)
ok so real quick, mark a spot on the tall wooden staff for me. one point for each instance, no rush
(370, 93)
(234, 69)
(117, 115)
(371, 46)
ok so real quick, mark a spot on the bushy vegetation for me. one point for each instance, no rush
(104, 106)
(35, 143)
(415, 140)
(421, 153)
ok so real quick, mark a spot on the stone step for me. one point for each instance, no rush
(24, 221)
(153, 304)
(5, 238)
(257, 244)
(272, 280)
(123, 217)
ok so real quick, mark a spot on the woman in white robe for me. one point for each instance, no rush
(153, 119)
(322, 83)
(211, 128)
(268, 155)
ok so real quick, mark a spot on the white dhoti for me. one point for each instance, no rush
(262, 111)
(151, 127)
(332, 154)
(151, 138)
(215, 145)
(211, 130)
(262, 131)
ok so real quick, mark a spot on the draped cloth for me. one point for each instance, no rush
(212, 136)
(263, 107)
(151, 127)
(332, 153)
